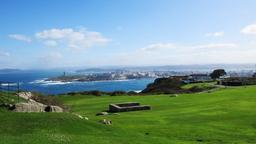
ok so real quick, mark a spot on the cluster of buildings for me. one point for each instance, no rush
(186, 77)
(137, 75)
(248, 79)
(232, 78)
(194, 78)
(191, 78)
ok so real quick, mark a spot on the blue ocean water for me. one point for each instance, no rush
(33, 81)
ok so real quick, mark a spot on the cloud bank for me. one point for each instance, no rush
(215, 34)
(170, 53)
(20, 37)
(75, 39)
(249, 29)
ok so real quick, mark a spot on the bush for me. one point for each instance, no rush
(164, 86)
(132, 93)
(217, 73)
(118, 93)
(72, 93)
(96, 93)
(195, 89)
(48, 100)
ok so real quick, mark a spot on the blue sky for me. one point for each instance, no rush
(89, 33)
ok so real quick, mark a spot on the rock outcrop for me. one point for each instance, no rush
(29, 107)
(33, 106)
(81, 117)
(25, 95)
(102, 113)
(106, 122)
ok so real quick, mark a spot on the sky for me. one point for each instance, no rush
(95, 33)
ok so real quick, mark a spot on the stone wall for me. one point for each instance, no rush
(124, 107)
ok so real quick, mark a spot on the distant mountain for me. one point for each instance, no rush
(177, 68)
(99, 70)
(9, 70)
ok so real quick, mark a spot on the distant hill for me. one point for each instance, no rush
(199, 68)
(98, 70)
(9, 70)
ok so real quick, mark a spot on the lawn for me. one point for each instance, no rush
(222, 116)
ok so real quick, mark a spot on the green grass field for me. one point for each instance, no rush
(223, 116)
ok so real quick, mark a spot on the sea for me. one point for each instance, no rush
(33, 80)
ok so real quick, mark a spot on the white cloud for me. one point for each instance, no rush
(215, 34)
(168, 53)
(158, 46)
(77, 39)
(216, 46)
(20, 37)
(249, 30)
(53, 56)
(4, 54)
(51, 43)
(170, 47)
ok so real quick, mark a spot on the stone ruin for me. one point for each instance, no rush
(129, 106)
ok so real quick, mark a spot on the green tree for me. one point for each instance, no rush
(218, 73)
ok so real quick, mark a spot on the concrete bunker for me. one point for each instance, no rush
(129, 106)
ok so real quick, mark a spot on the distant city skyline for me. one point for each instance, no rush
(83, 33)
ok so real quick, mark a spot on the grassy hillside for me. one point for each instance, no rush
(223, 116)
(9, 98)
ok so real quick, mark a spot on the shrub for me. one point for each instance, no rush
(195, 89)
(48, 100)
(132, 93)
(217, 73)
(96, 93)
(72, 93)
(164, 86)
(118, 93)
